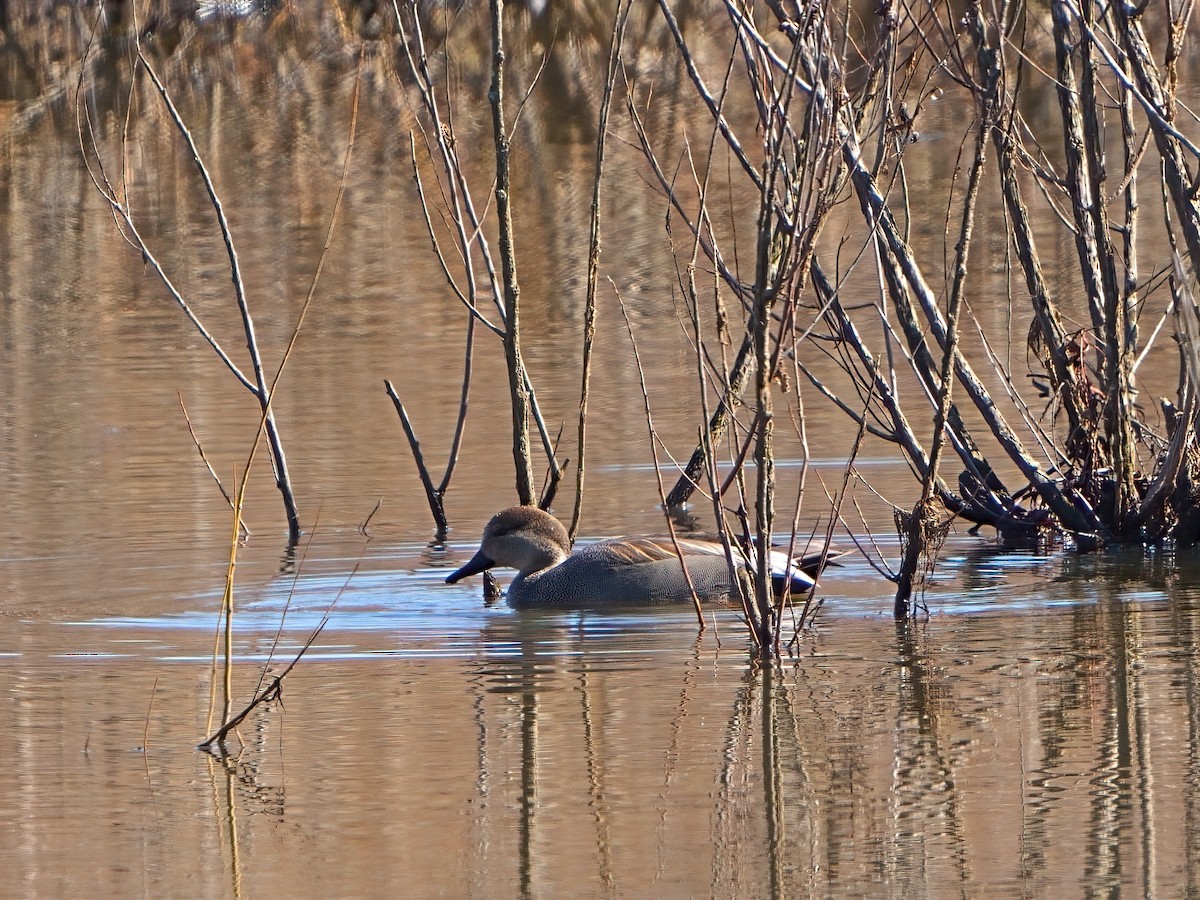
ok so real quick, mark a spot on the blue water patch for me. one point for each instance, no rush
(395, 604)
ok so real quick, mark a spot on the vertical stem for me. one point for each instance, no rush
(463, 402)
(764, 487)
(1118, 352)
(764, 496)
(1129, 139)
(227, 668)
(1079, 172)
(1085, 183)
(1050, 327)
(593, 266)
(915, 547)
(508, 267)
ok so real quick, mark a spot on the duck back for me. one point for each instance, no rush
(623, 573)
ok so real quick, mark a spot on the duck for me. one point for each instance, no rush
(626, 571)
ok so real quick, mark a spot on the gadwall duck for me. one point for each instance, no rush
(635, 571)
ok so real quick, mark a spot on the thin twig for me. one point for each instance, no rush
(654, 456)
(239, 502)
(432, 495)
(204, 459)
(593, 264)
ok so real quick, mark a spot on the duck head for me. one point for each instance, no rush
(523, 538)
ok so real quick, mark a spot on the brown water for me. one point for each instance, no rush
(1037, 734)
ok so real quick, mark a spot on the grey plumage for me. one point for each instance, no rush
(634, 571)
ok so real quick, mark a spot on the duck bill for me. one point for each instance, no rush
(480, 562)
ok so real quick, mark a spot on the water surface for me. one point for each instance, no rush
(1036, 733)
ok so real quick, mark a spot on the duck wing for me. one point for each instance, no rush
(642, 570)
(803, 570)
(656, 548)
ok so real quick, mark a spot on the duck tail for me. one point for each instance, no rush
(799, 583)
(804, 570)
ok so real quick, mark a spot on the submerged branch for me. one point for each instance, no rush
(433, 495)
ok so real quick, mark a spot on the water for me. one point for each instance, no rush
(1034, 734)
(1037, 742)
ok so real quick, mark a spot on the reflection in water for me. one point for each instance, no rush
(225, 805)
(596, 781)
(818, 774)
(928, 819)
(1048, 752)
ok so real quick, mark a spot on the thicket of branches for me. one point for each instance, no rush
(1088, 461)
(839, 101)
(840, 96)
